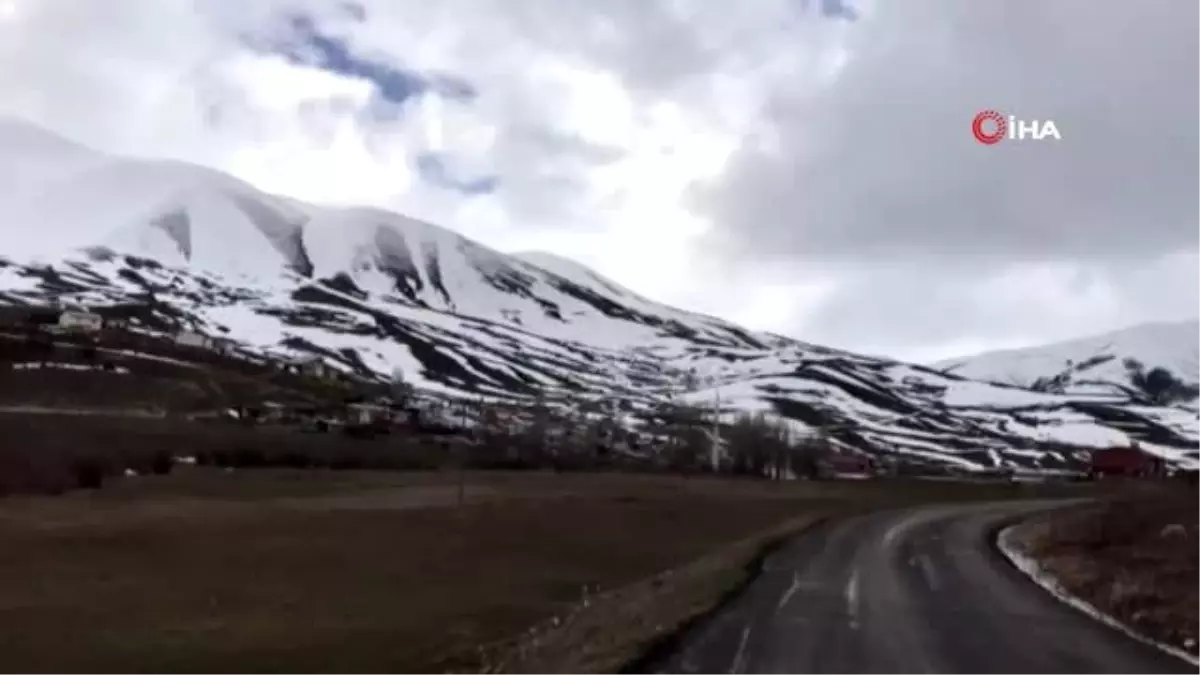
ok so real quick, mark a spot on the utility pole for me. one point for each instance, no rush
(462, 477)
(787, 465)
(715, 448)
(715, 433)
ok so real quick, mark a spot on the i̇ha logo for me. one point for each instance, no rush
(990, 127)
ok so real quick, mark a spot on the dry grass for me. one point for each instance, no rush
(274, 570)
(37, 451)
(622, 629)
(615, 630)
(319, 578)
(1122, 558)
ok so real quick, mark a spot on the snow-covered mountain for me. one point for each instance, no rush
(371, 290)
(1108, 363)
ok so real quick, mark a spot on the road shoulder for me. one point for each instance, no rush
(627, 629)
(1024, 544)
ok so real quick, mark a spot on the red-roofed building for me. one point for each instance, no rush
(1129, 462)
(849, 465)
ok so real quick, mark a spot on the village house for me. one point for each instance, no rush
(191, 338)
(1124, 461)
(847, 465)
(78, 320)
(315, 367)
(367, 413)
(274, 413)
(224, 345)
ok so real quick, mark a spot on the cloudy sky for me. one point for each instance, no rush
(802, 166)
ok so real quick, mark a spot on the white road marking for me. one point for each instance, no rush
(852, 599)
(787, 595)
(739, 657)
(927, 570)
(893, 532)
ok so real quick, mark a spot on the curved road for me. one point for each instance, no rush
(915, 591)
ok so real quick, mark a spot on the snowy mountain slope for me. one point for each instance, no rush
(1094, 364)
(199, 219)
(371, 290)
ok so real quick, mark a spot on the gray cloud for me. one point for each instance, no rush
(905, 312)
(856, 210)
(935, 240)
(883, 164)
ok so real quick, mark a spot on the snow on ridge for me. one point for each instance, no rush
(192, 216)
(894, 407)
(1172, 345)
(575, 272)
(461, 317)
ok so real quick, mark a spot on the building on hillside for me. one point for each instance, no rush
(192, 338)
(224, 345)
(367, 413)
(273, 412)
(78, 320)
(314, 367)
(849, 465)
(1129, 461)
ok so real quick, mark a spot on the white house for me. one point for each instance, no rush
(366, 413)
(191, 338)
(80, 320)
(224, 345)
(314, 366)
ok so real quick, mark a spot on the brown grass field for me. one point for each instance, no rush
(314, 570)
(1125, 558)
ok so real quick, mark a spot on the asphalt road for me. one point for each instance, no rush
(915, 591)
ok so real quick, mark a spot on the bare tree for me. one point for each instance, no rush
(683, 427)
(535, 433)
(747, 436)
(763, 447)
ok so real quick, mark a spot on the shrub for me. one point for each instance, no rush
(35, 475)
(89, 472)
(161, 463)
(246, 458)
(360, 432)
(292, 459)
(347, 461)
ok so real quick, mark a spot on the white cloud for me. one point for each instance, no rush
(599, 119)
(588, 166)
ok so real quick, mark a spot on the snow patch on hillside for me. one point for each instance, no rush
(370, 290)
(1174, 346)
